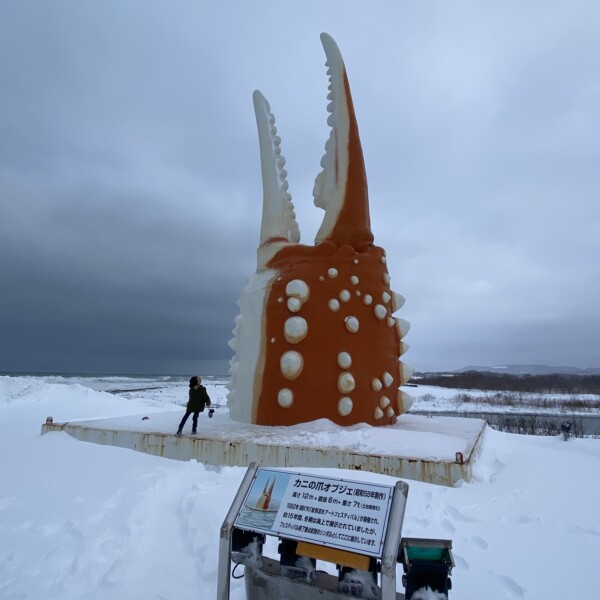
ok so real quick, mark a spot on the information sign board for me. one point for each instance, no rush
(338, 513)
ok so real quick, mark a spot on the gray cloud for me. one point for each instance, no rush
(130, 180)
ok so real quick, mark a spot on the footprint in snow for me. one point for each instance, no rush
(109, 550)
(24, 526)
(49, 529)
(460, 562)
(187, 506)
(458, 515)
(585, 530)
(447, 525)
(522, 520)
(479, 542)
(419, 522)
(63, 558)
(510, 585)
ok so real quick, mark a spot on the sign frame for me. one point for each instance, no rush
(345, 514)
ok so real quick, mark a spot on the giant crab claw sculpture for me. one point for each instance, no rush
(316, 336)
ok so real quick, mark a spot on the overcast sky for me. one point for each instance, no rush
(130, 189)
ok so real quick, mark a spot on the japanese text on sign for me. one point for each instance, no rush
(349, 515)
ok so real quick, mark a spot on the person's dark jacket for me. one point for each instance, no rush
(198, 399)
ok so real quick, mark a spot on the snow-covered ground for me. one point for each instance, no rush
(80, 520)
(437, 399)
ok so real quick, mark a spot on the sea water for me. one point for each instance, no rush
(156, 387)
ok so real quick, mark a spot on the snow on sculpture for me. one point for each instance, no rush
(316, 336)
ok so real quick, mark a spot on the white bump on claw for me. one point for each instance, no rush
(321, 278)
(294, 305)
(386, 278)
(295, 329)
(334, 304)
(291, 364)
(346, 383)
(354, 280)
(384, 402)
(380, 311)
(383, 259)
(298, 292)
(397, 301)
(385, 297)
(351, 324)
(390, 411)
(368, 299)
(332, 273)
(344, 295)
(285, 398)
(298, 289)
(403, 402)
(403, 327)
(406, 372)
(391, 321)
(376, 385)
(387, 379)
(378, 413)
(344, 406)
(344, 360)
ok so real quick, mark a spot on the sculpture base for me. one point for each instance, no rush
(438, 450)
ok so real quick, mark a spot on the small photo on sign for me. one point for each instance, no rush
(263, 500)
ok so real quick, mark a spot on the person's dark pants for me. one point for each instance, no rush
(194, 420)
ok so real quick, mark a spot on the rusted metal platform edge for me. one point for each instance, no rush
(218, 452)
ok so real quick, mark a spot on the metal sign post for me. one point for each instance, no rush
(223, 581)
(392, 542)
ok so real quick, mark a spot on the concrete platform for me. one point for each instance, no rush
(438, 450)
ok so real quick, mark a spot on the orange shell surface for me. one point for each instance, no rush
(349, 278)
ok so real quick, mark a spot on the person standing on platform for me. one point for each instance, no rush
(198, 400)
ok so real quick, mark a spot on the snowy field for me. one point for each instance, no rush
(437, 399)
(80, 520)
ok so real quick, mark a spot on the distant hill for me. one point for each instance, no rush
(531, 370)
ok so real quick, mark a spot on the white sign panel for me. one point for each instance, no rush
(338, 513)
